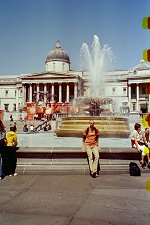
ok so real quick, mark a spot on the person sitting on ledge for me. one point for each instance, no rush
(25, 128)
(139, 145)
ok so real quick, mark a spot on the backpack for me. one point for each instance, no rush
(134, 169)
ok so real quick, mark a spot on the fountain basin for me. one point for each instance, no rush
(117, 127)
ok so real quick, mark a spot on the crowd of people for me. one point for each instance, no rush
(139, 140)
(8, 144)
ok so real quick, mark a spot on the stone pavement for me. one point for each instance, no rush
(75, 200)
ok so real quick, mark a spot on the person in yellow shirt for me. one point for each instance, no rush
(11, 137)
(12, 142)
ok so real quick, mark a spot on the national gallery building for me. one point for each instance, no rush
(129, 89)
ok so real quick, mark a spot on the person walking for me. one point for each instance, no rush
(2, 145)
(11, 118)
(90, 145)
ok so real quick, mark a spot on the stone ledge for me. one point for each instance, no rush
(66, 153)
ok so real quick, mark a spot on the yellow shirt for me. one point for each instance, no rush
(11, 138)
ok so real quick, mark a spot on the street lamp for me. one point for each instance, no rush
(146, 98)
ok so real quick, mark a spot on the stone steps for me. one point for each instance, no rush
(66, 160)
(75, 166)
(20, 124)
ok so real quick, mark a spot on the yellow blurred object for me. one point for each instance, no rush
(146, 120)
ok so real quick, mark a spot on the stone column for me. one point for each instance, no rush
(129, 95)
(45, 92)
(60, 92)
(30, 93)
(67, 94)
(137, 97)
(37, 92)
(23, 94)
(52, 92)
(17, 99)
(75, 90)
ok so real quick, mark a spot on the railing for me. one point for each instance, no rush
(42, 125)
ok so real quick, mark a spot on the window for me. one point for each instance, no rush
(53, 66)
(15, 93)
(133, 106)
(14, 107)
(134, 90)
(124, 89)
(125, 103)
(143, 90)
(6, 106)
(6, 93)
(113, 90)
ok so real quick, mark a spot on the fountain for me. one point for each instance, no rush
(94, 102)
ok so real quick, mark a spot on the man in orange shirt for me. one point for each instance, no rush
(90, 145)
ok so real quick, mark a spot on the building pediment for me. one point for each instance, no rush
(46, 75)
(141, 66)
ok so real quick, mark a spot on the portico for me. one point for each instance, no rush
(139, 88)
(50, 91)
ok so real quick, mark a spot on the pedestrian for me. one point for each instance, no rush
(25, 128)
(32, 128)
(15, 126)
(11, 118)
(90, 145)
(137, 143)
(11, 159)
(2, 145)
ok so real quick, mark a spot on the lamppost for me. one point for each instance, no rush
(146, 98)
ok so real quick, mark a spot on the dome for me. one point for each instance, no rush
(58, 54)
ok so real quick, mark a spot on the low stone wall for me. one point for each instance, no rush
(66, 153)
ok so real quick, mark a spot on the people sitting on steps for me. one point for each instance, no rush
(25, 128)
(136, 142)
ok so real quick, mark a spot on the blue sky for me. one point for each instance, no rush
(29, 29)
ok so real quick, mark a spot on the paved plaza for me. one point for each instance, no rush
(75, 200)
(42, 196)
(48, 139)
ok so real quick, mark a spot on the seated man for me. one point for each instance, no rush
(139, 145)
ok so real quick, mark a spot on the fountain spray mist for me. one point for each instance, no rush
(96, 62)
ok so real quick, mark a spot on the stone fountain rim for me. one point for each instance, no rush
(95, 118)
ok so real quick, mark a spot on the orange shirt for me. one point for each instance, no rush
(91, 137)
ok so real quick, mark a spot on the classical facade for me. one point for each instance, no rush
(129, 89)
(57, 84)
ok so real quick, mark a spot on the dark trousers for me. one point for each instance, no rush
(9, 160)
